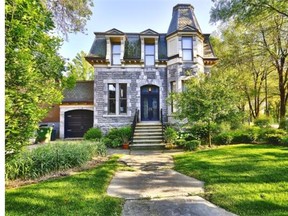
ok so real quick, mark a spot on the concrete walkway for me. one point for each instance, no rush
(153, 188)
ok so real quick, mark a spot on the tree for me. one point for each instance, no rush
(69, 15)
(246, 10)
(33, 70)
(247, 65)
(80, 69)
(269, 19)
(209, 99)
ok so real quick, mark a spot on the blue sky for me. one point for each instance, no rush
(132, 16)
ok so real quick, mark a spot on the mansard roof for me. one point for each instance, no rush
(132, 45)
(183, 18)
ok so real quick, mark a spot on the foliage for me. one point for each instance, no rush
(52, 157)
(264, 133)
(224, 138)
(207, 99)
(116, 137)
(192, 145)
(170, 135)
(246, 11)
(263, 122)
(84, 193)
(284, 141)
(243, 179)
(69, 15)
(275, 139)
(79, 68)
(266, 21)
(33, 71)
(93, 134)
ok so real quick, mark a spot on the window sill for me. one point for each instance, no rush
(112, 115)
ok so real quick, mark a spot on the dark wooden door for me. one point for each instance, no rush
(77, 122)
(149, 103)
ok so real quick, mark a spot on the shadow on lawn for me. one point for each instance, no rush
(81, 194)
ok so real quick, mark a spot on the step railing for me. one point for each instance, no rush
(162, 124)
(134, 123)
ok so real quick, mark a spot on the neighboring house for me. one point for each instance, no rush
(137, 71)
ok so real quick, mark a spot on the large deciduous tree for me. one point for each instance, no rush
(269, 19)
(33, 70)
(69, 15)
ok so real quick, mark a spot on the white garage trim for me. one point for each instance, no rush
(66, 108)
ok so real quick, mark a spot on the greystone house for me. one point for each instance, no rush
(135, 72)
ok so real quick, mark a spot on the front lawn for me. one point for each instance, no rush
(79, 194)
(244, 179)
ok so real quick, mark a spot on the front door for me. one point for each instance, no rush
(150, 103)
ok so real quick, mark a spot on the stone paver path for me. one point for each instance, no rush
(155, 189)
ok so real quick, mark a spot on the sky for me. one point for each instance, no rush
(132, 16)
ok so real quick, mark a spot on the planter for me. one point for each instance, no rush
(125, 146)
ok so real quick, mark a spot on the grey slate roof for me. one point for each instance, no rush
(82, 92)
(183, 16)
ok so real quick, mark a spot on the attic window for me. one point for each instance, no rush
(187, 49)
(116, 52)
(149, 54)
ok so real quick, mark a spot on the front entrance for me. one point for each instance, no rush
(149, 103)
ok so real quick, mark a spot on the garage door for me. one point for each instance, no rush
(77, 122)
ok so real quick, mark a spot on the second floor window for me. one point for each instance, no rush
(149, 54)
(187, 49)
(116, 51)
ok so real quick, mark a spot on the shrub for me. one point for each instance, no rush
(180, 142)
(274, 139)
(223, 138)
(246, 135)
(53, 157)
(93, 134)
(200, 131)
(192, 145)
(284, 140)
(263, 122)
(170, 135)
(264, 133)
(117, 136)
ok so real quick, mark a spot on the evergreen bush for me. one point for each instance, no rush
(192, 145)
(93, 134)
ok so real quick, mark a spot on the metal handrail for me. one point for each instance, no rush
(134, 123)
(162, 124)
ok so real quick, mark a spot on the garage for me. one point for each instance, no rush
(77, 122)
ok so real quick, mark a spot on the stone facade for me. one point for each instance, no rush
(135, 78)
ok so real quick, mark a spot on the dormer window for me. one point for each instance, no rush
(187, 49)
(116, 53)
(149, 54)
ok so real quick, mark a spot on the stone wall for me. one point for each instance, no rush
(135, 77)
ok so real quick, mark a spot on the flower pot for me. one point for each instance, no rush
(125, 146)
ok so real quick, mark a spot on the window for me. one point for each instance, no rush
(123, 98)
(173, 89)
(117, 98)
(116, 51)
(187, 50)
(149, 54)
(112, 98)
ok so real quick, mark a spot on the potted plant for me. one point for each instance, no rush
(125, 135)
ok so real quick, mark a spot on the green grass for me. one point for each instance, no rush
(244, 179)
(80, 194)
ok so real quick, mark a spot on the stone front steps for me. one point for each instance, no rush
(148, 136)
